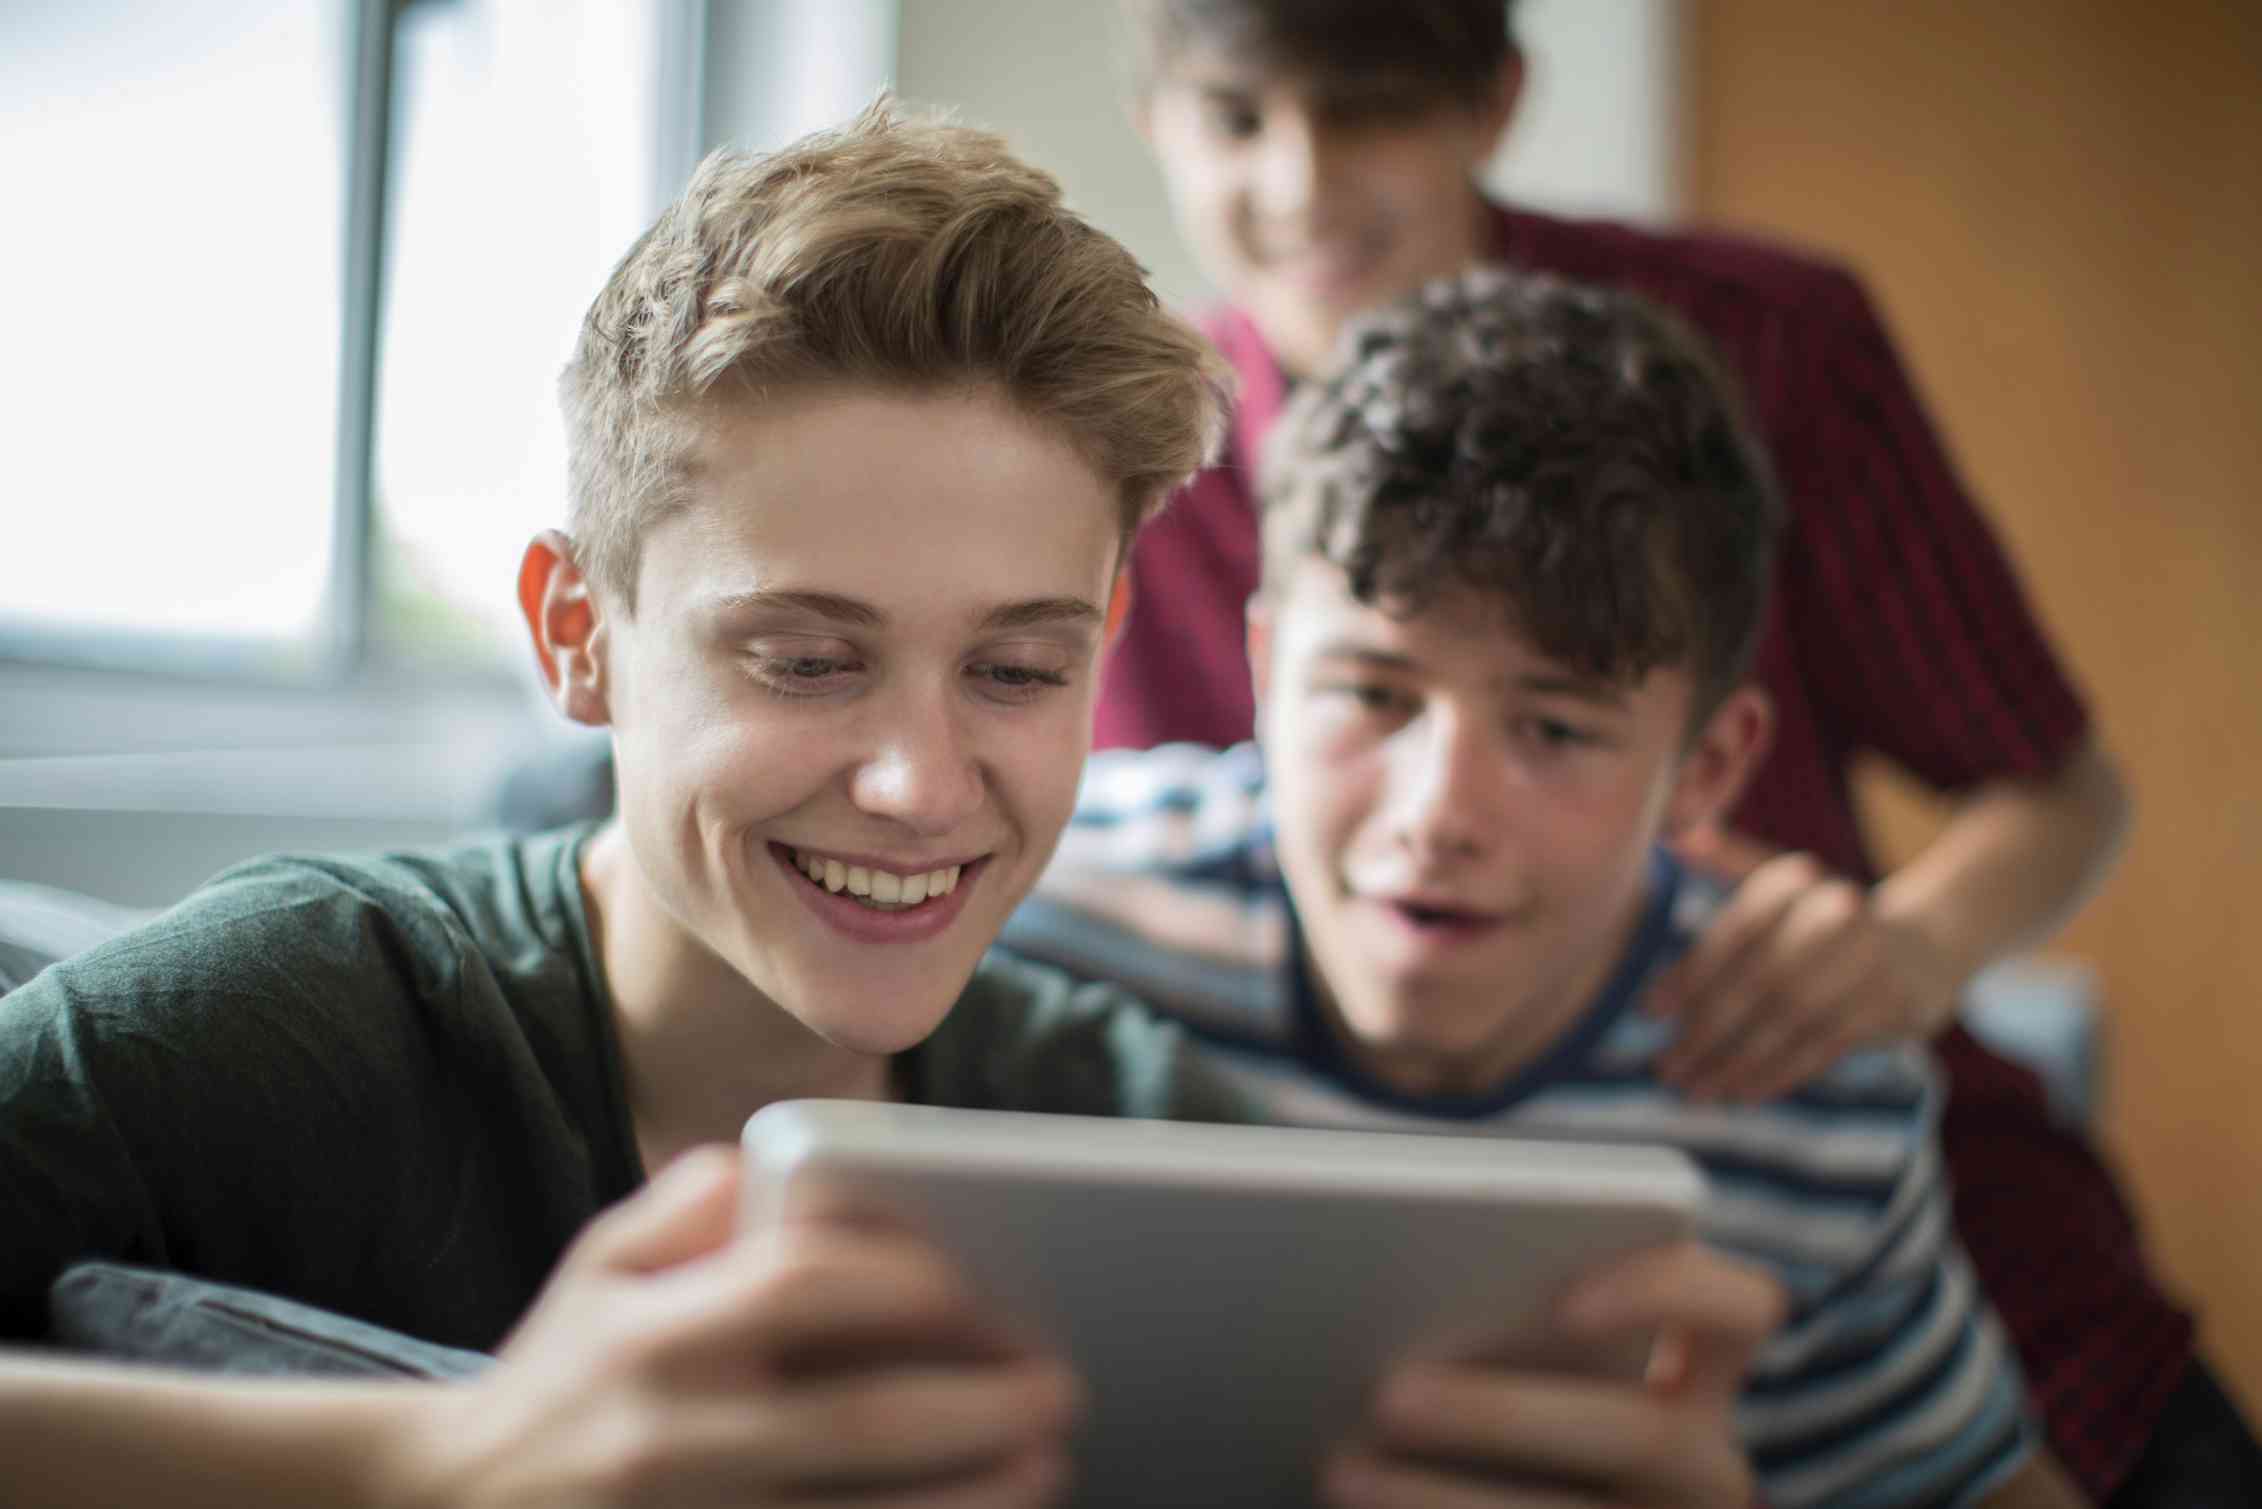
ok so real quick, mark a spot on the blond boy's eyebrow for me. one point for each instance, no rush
(1042, 613)
(830, 605)
(1033, 613)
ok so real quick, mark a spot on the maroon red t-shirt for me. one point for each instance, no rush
(1896, 626)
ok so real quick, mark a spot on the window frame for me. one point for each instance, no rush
(130, 721)
(342, 648)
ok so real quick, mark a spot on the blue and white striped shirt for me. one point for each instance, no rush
(1892, 1382)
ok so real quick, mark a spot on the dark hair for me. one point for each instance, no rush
(1436, 48)
(1573, 452)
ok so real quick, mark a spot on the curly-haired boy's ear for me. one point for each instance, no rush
(1720, 759)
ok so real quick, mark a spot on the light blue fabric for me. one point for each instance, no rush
(2042, 1013)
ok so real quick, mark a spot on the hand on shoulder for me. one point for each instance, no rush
(1800, 967)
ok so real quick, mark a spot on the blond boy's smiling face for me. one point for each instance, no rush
(855, 696)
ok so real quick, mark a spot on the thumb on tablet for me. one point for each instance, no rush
(817, 1202)
(688, 1211)
(1711, 1314)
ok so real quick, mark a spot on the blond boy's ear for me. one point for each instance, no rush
(1118, 611)
(1719, 760)
(567, 627)
(1256, 619)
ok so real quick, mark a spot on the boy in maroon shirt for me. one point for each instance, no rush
(1321, 158)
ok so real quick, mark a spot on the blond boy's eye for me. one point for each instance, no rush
(1004, 681)
(803, 675)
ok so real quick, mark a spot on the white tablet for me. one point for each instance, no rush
(1229, 1294)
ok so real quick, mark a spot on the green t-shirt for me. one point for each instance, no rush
(390, 1086)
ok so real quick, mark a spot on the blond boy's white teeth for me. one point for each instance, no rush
(878, 887)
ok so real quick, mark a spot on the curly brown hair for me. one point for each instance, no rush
(1573, 452)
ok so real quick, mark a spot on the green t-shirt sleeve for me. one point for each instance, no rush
(201, 1093)
(1028, 1037)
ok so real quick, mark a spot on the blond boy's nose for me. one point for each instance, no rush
(921, 774)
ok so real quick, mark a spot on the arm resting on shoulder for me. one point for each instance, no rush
(1804, 966)
(2017, 859)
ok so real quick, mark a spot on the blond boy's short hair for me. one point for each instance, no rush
(897, 253)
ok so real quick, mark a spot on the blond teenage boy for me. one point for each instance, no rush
(1516, 555)
(859, 432)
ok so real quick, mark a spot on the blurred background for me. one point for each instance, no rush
(290, 281)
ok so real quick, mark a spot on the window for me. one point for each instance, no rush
(526, 156)
(177, 186)
(293, 279)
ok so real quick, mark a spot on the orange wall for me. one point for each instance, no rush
(2059, 203)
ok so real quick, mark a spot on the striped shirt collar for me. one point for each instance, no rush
(1656, 941)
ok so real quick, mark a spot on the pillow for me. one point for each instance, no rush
(40, 924)
(143, 1315)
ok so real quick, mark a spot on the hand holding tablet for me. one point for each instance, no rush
(1233, 1296)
